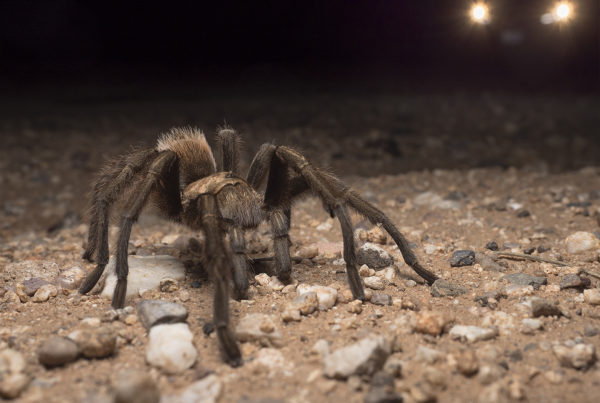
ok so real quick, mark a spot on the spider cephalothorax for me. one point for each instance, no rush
(182, 178)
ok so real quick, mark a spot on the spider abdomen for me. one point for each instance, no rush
(237, 202)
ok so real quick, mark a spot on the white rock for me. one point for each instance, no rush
(273, 361)
(472, 333)
(44, 293)
(582, 241)
(170, 348)
(321, 347)
(502, 320)
(362, 358)
(258, 327)
(262, 279)
(374, 282)
(530, 325)
(389, 274)
(145, 273)
(325, 226)
(327, 296)
(592, 296)
(206, 390)
(579, 356)
(428, 355)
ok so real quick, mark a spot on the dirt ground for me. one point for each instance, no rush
(514, 169)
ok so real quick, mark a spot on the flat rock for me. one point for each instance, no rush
(134, 386)
(582, 241)
(373, 256)
(580, 356)
(472, 333)
(157, 312)
(170, 348)
(443, 288)
(270, 282)
(145, 273)
(258, 327)
(95, 342)
(57, 351)
(327, 296)
(462, 258)
(362, 358)
(525, 279)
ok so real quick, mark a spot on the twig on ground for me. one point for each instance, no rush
(512, 255)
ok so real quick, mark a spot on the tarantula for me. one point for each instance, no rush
(183, 179)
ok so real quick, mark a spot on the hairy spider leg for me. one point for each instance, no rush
(219, 264)
(240, 263)
(277, 202)
(229, 144)
(110, 185)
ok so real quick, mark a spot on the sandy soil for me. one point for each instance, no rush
(47, 163)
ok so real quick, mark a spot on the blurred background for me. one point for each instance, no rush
(364, 87)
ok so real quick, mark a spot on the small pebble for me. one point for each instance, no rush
(134, 386)
(462, 258)
(95, 342)
(430, 322)
(374, 282)
(381, 299)
(492, 245)
(443, 288)
(44, 293)
(170, 348)
(157, 312)
(472, 333)
(57, 351)
(580, 356)
(373, 256)
(592, 296)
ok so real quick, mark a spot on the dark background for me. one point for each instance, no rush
(387, 41)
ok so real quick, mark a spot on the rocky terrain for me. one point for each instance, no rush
(515, 315)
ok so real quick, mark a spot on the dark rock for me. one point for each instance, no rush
(530, 346)
(523, 213)
(542, 249)
(373, 256)
(208, 328)
(442, 288)
(525, 279)
(542, 307)
(462, 258)
(529, 251)
(492, 245)
(157, 312)
(57, 351)
(381, 299)
(574, 281)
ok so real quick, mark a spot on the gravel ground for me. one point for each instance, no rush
(513, 177)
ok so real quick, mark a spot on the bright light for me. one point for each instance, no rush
(479, 13)
(562, 12)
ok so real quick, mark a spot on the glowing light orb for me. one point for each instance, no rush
(562, 11)
(479, 13)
